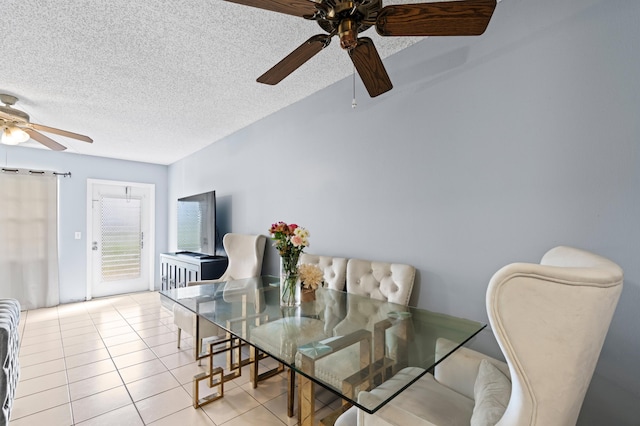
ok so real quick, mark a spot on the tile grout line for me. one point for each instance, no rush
(64, 361)
(111, 358)
(180, 385)
(64, 358)
(120, 310)
(156, 357)
(65, 370)
(116, 366)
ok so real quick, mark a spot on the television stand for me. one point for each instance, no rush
(179, 268)
(196, 255)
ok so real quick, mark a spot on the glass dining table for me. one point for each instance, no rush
(344, 342)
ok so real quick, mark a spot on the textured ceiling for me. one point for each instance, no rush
(155, 81)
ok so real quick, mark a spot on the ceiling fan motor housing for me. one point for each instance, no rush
(348, 19)
(348, 31)
(17, 116)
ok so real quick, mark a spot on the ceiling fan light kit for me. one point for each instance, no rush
(13, 135)
(17, 127)
(348, 18)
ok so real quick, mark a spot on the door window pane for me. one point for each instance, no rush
(120, 226)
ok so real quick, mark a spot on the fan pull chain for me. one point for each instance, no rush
(353, 102)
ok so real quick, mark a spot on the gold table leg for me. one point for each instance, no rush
(231, 343)
(209, 377)
(306, 401)
(306, 387)
(291, 388)
(254, 356)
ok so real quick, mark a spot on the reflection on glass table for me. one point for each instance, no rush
(343, 342)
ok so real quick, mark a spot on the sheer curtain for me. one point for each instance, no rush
(29, 238)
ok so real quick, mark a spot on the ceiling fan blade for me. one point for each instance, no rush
(451, 18)
(61, 132)
(370, 68)
(295, 59)
(291, 7)
(44, 140)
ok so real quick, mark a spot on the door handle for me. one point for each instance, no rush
(94, 246)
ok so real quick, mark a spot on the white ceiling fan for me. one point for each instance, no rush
(16, 127)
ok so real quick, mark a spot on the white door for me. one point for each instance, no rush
(120, 238)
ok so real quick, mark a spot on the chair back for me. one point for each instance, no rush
(392, 282)
(334, 269)
(245, 254)
(386, 282)
(550, 320)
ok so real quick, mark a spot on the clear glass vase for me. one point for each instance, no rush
(289, 285)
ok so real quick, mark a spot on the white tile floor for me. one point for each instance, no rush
(114, 361)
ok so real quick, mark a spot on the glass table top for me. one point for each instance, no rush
(342, 341)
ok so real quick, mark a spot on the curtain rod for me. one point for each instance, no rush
(35, 172)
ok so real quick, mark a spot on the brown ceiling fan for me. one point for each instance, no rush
(16, 127)
(348, 18)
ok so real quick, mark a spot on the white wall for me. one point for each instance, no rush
(72, 207)
(488, 150)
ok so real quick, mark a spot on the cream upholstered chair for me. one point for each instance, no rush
(550, 320)
(245, 254)
(387, 282)
(334, 269)
(327, 305)
(377, 279)
(272, 335)
(391, 282)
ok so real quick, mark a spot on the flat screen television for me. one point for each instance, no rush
(197, 224)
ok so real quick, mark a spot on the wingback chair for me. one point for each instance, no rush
(550, 320)
(245, 254)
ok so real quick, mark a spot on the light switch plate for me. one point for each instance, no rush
(78, 235)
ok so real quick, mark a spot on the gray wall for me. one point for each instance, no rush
(488, 150)
(72, 207)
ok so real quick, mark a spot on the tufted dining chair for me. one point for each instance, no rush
(334, 269)
(383, 281)
(245, 254)
(550, 320)
(391, 282)
(328, 305)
